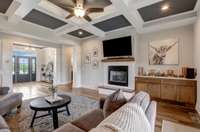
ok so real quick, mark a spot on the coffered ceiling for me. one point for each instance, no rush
(118, 15)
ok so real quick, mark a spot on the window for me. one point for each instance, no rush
(33, 66)
(23, 66)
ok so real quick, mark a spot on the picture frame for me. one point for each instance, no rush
(164, 52)
(95, 52)
(95, 63)
(88, 58)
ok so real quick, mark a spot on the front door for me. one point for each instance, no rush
(24, 69)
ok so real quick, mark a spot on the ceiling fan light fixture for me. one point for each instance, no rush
(79, 12)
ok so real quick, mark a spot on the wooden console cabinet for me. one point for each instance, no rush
(180, 91)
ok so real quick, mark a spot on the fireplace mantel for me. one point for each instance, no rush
(128, 59)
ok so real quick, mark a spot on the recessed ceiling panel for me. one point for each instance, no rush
(43, 19)
(4, 5)
(166, 8)
(113, 23)
(80, 33)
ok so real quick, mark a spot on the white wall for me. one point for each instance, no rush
(66, 65)
(197, 58)
(185, 36)
(6, 71)
(77, 66)
(91, 77)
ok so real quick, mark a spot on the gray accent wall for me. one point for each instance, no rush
(154, 11)
(43, 19)
(83, 35)
(113, 23)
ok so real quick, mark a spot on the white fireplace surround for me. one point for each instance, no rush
(131, 74)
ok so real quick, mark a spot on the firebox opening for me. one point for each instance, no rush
(118, 75)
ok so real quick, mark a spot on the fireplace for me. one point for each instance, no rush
(118, 75)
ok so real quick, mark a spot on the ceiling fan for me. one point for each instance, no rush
(82, 8)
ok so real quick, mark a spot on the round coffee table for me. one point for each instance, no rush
(41, 104)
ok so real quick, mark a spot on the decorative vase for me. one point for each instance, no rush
(53, 94)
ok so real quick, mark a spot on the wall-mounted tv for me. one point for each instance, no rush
(118, 47)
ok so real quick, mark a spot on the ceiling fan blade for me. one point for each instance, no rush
(74, 1)
(91, 10)
(69, 16)
(87, 18)
(69, 9)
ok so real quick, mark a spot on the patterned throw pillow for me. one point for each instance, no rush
(113, 102)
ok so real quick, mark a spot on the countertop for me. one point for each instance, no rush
(159, 77)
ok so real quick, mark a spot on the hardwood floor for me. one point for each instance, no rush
(165, 111)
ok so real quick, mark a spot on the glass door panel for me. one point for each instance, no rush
(33, 69)
(23, 69)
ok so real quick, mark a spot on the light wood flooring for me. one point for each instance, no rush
(165, 111)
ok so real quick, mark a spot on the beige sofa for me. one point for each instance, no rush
(8, 102)
(94, 118)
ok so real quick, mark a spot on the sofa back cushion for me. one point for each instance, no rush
(142, 99)
(113, 102)
(128, 118)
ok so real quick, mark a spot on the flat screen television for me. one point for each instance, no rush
(118, 47)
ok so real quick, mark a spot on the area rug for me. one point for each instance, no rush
(20, 121)
(175, 127)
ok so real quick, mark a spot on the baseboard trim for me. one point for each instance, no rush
(65, 83)
(89, 87)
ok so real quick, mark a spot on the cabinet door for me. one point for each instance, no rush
(169, 92)
(187, 94)
(141, 86)
(154, 90)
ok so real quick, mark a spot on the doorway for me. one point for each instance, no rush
(24, 69)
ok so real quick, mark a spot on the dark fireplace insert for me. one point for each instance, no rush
(118, 75)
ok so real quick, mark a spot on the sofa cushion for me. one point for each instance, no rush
(3, 124)
(142, 99)
(89, 120)
(113, 102)
(9, 102)
(129, 118)
(68, 128)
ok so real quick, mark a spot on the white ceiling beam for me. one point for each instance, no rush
(67, 30)
(114, 14)
(12, 9)
(169, 25)
(25, 7)
(197, 6)
(92, 29)
(124, 9)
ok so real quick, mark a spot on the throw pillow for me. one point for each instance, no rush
(113, 102)
(142, 99)
(4, 90)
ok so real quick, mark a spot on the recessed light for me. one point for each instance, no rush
(80, 32)
(165, 7)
